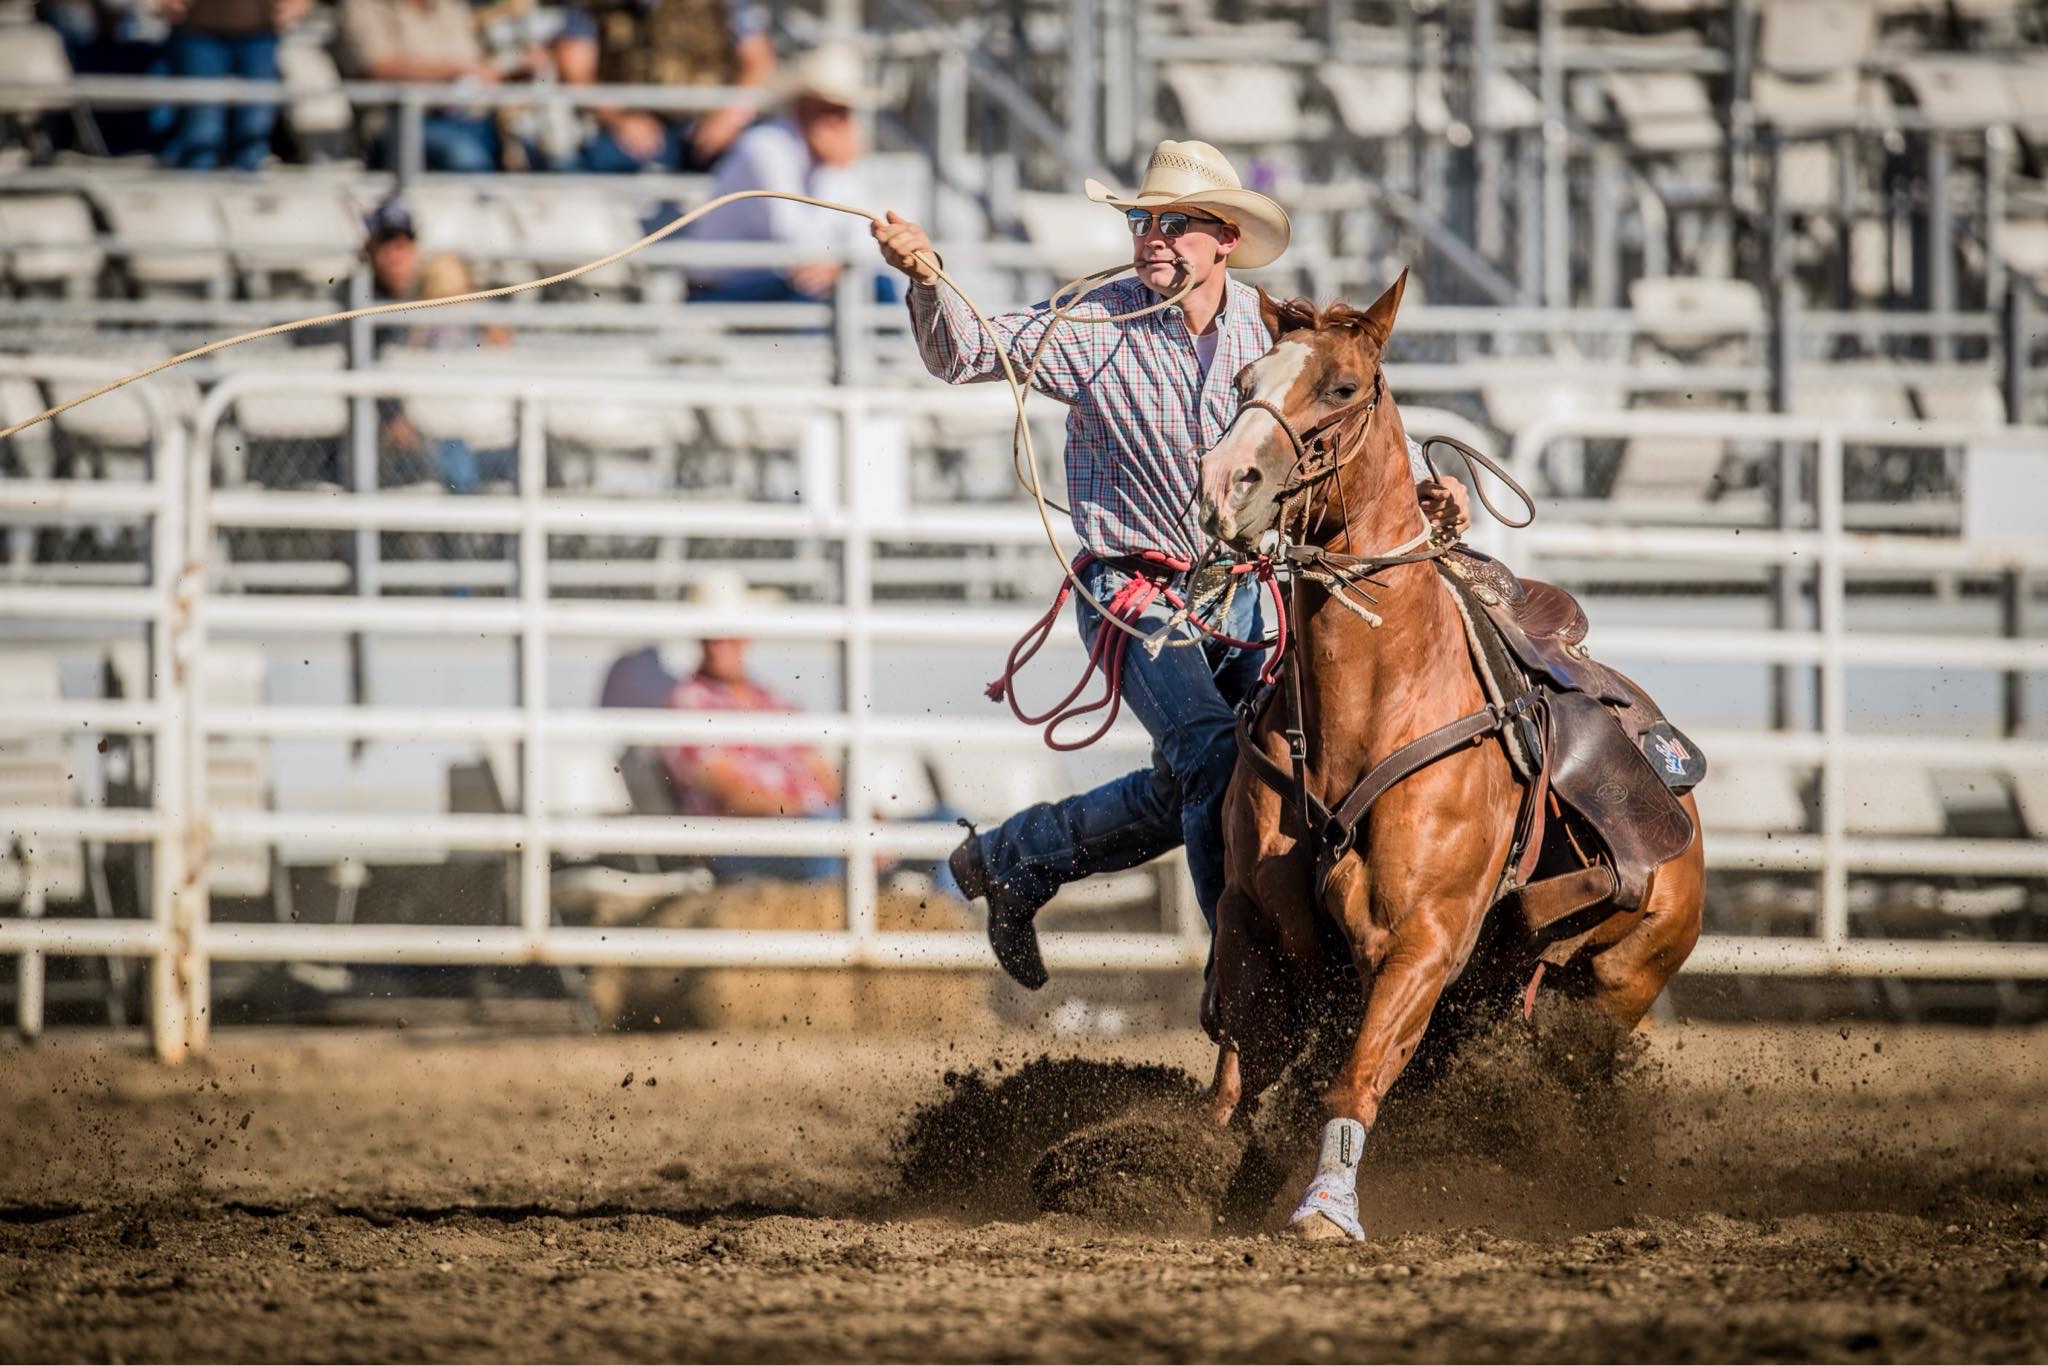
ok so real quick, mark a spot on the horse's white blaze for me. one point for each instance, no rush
(1273, 377)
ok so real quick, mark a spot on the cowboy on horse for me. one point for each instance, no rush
(1147, 396)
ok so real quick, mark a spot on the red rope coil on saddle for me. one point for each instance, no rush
(1127, 604)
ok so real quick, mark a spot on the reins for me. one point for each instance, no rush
(1333, 827)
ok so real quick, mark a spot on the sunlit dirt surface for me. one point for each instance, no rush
(1819, 1192)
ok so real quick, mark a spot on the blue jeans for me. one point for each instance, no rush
(206, 136)
(603, 155)
(1186, 700)
(771, 287)
(464, 143)
(463, 470)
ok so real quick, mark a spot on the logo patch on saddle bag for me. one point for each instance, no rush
(1677, 759)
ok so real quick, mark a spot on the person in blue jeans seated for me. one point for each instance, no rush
(430, 41)
(212, 39)
(813, 147)
(663, 42)
(747, 779)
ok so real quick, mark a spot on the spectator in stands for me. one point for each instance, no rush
(430, 41)
(394, 251)
(211, 39)
(664, 42)
(459, 467)
(813, 148)
(743, 779)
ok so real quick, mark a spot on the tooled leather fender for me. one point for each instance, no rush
(1598, 771)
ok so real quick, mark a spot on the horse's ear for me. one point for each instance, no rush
(1269, 313)
(1380, 317)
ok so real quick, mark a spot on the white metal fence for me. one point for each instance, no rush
(853, 499)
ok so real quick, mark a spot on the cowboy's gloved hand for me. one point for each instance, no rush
(1444, 504)
(901, 242)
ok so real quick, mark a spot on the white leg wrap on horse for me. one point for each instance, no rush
(1334, 1192)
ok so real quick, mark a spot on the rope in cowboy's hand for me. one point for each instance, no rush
(1023, 452)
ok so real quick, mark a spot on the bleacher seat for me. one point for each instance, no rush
(1844, 393)
(33, 454)
(301, 229)
(1078, 236)
(118, 425)
(2027, 86)
(284, 415)
(1838, 97)
(53, 241)
(2023, 247)
(486, 423)
(1958, 92)
(1970, 399)
(1668, 468)
(1812, 37)
(1712, 311)
(2030, 795)
(1663, 111)
(1380, 101)
(1236, 104)
(33, 55)
(318, 111)
(180, 240)
(563, 228)
(1513, 403)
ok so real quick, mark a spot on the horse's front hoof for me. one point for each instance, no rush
(1328, 1209)
(1321, 1228)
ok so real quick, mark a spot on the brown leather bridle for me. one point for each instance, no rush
(1321, 440)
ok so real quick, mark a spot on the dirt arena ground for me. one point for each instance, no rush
(1838, 1193)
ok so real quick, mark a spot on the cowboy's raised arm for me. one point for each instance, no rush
(953, 344)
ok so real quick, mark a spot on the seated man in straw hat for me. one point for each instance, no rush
(1147, 397)
(813, 148)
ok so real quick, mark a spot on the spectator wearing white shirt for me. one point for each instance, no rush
(814, 149)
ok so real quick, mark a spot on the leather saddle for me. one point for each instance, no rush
(1595, 749)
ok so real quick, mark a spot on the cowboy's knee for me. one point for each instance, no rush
(1210, 777)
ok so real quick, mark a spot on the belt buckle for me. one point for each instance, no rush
(1207, 582)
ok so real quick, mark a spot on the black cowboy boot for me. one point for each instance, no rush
(1010, 931)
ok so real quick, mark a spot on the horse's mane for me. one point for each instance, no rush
(1298, 314)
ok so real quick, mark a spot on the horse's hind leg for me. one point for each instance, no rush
(1627, 976)
(1257, 1009)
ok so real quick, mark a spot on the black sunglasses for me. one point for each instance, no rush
(1171, 224)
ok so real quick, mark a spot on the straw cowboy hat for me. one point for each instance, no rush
(726, 590)
(1197, 175)
(833, 72)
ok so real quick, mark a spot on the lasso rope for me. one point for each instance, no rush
(1023, 453)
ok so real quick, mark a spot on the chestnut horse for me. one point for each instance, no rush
(1318, 451)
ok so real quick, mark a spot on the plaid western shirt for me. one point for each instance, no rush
(1141, 413)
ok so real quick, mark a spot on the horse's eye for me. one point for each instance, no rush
(1343, 393)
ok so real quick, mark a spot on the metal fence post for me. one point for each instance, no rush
(1834, 708)
(856, 784)
(2017, 339)
(1084, 25)
(180, 986)
(534, 863)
